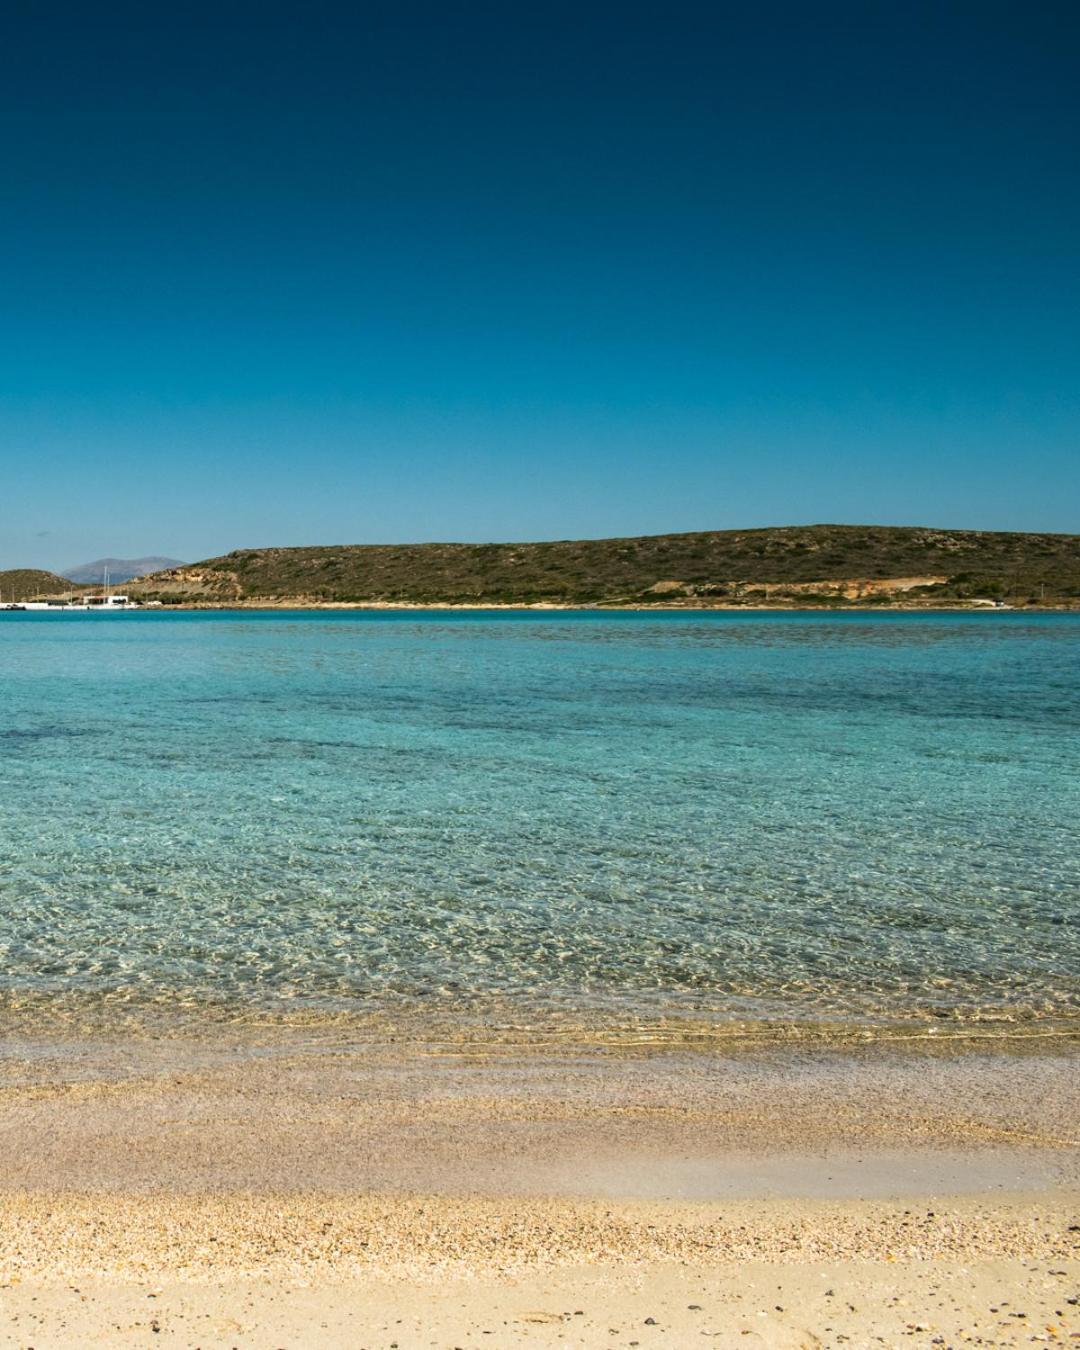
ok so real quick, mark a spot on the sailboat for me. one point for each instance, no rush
(106, 602)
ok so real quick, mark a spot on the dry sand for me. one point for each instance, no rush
(308, 1191)
(327, 1271)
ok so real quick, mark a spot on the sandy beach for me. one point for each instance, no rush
(312, 1271)
(302, 1189)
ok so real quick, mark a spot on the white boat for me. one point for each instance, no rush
(107, 602)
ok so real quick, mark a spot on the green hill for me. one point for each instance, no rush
(30, 583)
(826, 564)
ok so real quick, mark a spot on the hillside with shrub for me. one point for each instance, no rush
(31, 583)
(815, 564)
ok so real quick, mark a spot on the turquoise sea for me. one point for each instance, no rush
(801, 817)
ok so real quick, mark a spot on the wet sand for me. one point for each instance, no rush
(304, 1190)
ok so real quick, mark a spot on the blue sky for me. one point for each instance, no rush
(283, 274)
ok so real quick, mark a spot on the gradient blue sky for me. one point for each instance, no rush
(289, 274)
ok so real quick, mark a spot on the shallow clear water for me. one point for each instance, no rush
(756, 816)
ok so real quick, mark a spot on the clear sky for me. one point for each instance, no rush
(318, 273)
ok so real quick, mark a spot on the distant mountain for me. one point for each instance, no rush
(120, 569)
